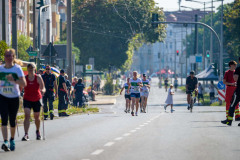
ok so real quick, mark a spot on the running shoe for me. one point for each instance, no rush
(132, 113)
(136, 114)
(25, 138)
(125, 111)
(128, 111)
(38, 136)
(165, 107)
(188, 107)
(141, 111)
(12, 145)
(5, 146)
(171, 110)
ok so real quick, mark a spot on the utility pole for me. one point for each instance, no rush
(211, 38)
(69, 38)
(3, 21)
(28, 33)
(34, 25)
(203, 55)
(14, 26)
(221, 47)
(196, 42)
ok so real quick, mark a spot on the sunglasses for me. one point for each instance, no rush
(47, 69)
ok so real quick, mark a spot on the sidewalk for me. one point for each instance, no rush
(104, 100)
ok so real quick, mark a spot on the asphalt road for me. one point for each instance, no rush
(115, 135)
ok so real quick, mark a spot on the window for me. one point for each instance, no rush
(170, 32)
(171, 45)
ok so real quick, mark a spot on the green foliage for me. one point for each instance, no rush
(75, 50)
(23, 43)
(3, 47)
(231, 33)
(109, 87)
(110, 31)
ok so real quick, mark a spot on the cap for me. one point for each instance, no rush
(144, 75)
(192, 72)
(62, 71)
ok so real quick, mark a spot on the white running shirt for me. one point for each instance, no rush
(10, 89)
(135, 88)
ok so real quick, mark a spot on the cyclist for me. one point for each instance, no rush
(144, 93)
(135, 84)
(127, 95)
(191, 85)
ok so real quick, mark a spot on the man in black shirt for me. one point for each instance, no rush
(62, 93)
(50, 84)
(78, 92)
(236, 96)
(191, 85)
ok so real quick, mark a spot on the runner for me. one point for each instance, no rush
(191, 85)
(169, 100)
(50, 84)
(135, 84)
(166, 84)
(12, 77)
(127, 95)
(144, 93)
(230, 83)
(32, 94)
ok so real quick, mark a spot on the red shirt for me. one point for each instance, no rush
(32, 90)
(228, 76)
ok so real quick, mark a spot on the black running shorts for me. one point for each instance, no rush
(128, 96)
(36, 106)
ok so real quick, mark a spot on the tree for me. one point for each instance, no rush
(3, 47)
(110, 30)
(75, 50)
(232, 23)
(23, 43)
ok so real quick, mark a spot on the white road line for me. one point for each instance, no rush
(127, 134)
(145, 123)
(109, 144)
(133, 131)
(97, 152)
(148, 121)
(141, 125)
(137, 128)
(118, 139)
(85, 159)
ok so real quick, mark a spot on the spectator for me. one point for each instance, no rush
(91, 93)
(200, 92)
(98, 83)
(211, 92)
(78, 93)
(75, 81)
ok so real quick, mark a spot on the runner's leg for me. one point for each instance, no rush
(27, 113)
(133, 102)
(137, 104)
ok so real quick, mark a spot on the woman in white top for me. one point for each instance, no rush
(12, 78)
(169, 100)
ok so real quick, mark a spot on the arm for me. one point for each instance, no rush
(65, 87)
(56, 87)
(74, 93)
(129, 85)
(21, 81)
(41, 84)
(235, 77)
(121, 90)
(140, 84)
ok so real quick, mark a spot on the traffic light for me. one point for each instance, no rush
(41, 3)
(154, 19)
(177, 52)
(207, 54)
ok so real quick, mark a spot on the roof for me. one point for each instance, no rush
(207, 74)
(60, 48)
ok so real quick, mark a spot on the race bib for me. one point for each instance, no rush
(7, 90)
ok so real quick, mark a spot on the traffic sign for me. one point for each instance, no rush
(221, 94)
(32, 53)
(192, 59)
(89, 67)
(221, 85)
(199, 59)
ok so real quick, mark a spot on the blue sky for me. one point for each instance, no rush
(172, 5)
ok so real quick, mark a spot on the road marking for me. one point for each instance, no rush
(145, 123)
(109, 144)
(127, 134)
(97, 152)
(148, 121)
(141, 125)
(85, 159)
(118, 139)
(138, 128)
(133, 131)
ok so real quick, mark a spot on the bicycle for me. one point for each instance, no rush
(191, 101)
